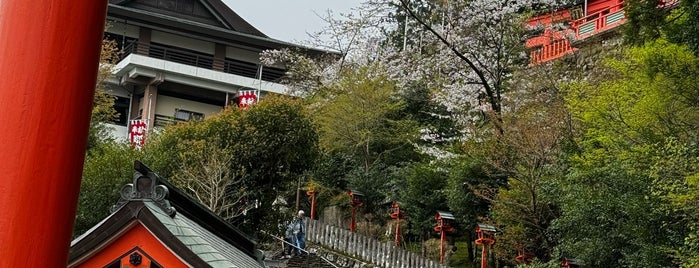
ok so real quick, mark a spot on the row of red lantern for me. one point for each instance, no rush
(485, 234)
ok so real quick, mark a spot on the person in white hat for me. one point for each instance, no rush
(300, 231)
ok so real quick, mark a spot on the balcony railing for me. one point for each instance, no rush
(554, 50)
(182, 56)
(599, 21)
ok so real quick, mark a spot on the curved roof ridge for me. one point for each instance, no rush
(224, 14)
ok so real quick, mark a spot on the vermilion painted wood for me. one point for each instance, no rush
(49, 51)
(137, 236)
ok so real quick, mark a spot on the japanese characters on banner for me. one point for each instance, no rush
(246, 98)
(137, 133)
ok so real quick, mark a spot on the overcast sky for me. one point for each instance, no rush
(288, 20)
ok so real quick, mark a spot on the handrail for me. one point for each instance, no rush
(595, 16)
(232, 66)
(303, 250)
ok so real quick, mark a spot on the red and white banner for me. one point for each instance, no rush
(246, 98)
(137, 133)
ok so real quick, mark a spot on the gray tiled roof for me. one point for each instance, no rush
(209, 247)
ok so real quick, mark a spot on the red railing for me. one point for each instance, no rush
(599, 21)
(555, 44)
(554, 50)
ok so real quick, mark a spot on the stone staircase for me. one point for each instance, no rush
(317, 257)
(310, 260)
(331, 246)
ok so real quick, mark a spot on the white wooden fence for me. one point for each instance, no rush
(381, 254)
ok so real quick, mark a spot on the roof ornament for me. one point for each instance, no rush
(145, 188)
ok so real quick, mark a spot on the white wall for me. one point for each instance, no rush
(118, 133)
(167, 105)
(242, 54)
(183, 42)
(116, 90)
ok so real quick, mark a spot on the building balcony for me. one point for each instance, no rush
(196, 69)
(553, 44)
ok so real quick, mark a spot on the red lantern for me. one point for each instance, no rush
(137, 133)
(523, 256)
(246, 98)
(356, 201)
(486, 237)
(444, 225)
(312, 193)
(397, 214)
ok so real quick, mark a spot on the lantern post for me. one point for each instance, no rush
(48, 64)
(312, 193)
(486, 237)
(523, 257)
(397, 214)
(570, 262)
(444, 225)
(355, 201)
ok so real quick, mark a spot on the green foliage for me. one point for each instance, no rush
(649, 20)
(422, 195)
(689, 24)
(103, 103)
(652, 95)
(645, 20)
(461, 257)
(357, 116)
(272, 144)
(108, 165)
(207, 174)
(608, 214)
(676, 183)
(107, 169)
(613, 213)
(540, 264)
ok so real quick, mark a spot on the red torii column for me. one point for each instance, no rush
(48, 66)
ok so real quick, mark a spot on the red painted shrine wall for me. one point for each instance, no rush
(137, 236)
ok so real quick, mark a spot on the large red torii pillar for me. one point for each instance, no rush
(49, 53)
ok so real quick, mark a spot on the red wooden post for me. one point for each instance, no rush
(484, 256)
(353, 223)
(48, 65)
(444, 220)
(485, 238)
(441, 246)
(312, 194)
(397, 239)
(356, 201)
(397, 214)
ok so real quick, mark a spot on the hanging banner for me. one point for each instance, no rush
(246, 98)
(137, 133)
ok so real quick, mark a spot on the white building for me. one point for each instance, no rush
(185, 59)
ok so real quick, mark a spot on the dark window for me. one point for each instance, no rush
(121, 105)
(184, 115)
(121, 41)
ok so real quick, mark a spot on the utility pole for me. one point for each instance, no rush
(298, 194)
